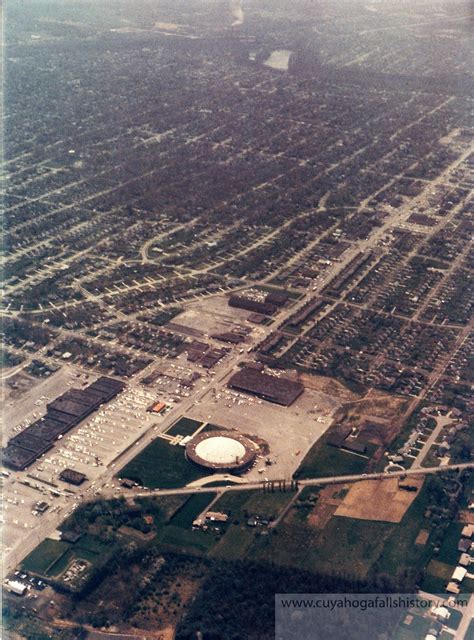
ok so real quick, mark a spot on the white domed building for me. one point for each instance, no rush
(221, 451)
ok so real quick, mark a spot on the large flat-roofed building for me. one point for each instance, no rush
(18, 458)
(241, 302)
(62, 414)
(69, 407)
(278, 390)
(72, 477)
(49, 429)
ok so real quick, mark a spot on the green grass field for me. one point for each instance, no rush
(185, 515)
(323, 460)
(89, 548)
(161, 508)
(348, 546)
(232, 502)
(431, 460)
(239, 539)
(184, 540)
(235, 544)
(418, 628)
(52, 557)
(470, 631)
(400, 550)
(161, 465)
(45, 555)
(184, 427)
(449, 548)
(243, 504)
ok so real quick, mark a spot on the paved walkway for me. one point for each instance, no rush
(218, 477)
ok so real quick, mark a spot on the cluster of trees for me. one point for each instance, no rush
(237, 600)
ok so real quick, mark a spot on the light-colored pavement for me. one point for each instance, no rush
(468, 615)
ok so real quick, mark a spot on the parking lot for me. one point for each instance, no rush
(88, 448)
(18, 415)
(289, 432)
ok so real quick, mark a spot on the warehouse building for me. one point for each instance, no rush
(72, 477)
(264, 308)
(277, 390)
(62, 414)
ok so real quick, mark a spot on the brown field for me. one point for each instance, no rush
(378, 417)
(326, 506)
(381, 406)
(422, 537)
(380, 500)
(329, 386)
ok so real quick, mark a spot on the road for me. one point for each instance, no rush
(441, 422)
(307, 482)
(467, 616)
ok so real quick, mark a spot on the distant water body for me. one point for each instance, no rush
(279, 59)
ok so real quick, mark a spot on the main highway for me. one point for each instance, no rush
(278, 485)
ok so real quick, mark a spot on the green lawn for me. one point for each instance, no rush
(437, 576)
(232, 502)
(184, 427)
(45, 554)
(243, 504)
(185, 515)
(454, 619)
(184, 540)
(470, 631)
(418, 628)
(449, 548)
(345, 547)
(400, 550)
(52, 557)
(235, 544)
(88, 548)
(240, 505)
(161, 508)
(323, 460)
(161, 465)
(433, 584)
(431, 459)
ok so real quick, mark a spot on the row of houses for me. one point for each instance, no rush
(465, 546)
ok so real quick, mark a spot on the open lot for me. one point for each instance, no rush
(239, 537)
(346, 546)
(378, 500)
(323, 460)
(213, 316)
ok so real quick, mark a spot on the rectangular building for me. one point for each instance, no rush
(279, 390)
